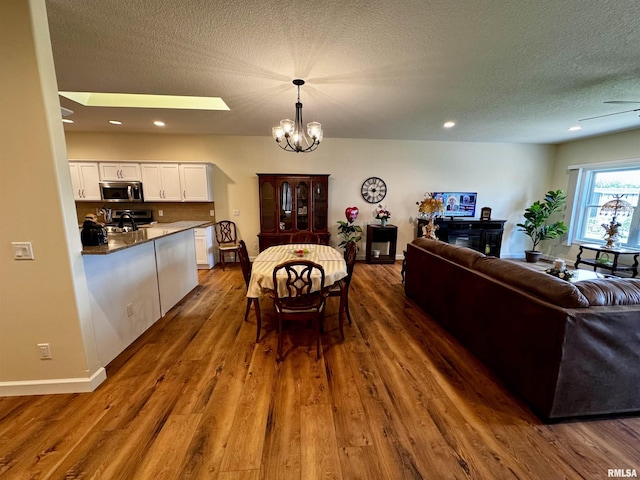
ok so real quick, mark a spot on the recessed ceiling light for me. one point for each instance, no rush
(66, 120)
(132, 100)
(158, 123)
(449, 124)
(575, 128)
(115, 122)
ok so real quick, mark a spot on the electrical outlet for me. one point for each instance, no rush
(212, 213)
(45, 351)
(130, 310)
(255, 246)
(236, 213)
(160, 213)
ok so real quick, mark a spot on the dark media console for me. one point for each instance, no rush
(482, 235)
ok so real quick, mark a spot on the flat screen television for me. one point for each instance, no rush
(458, 204)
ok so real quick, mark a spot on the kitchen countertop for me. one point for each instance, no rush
(120, 241)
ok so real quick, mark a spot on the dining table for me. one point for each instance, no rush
(261, 282)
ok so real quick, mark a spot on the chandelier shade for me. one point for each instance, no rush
(290, 134)
(616, 207)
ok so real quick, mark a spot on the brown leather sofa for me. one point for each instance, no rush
(568, 349)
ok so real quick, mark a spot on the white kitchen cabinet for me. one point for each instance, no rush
(161, 182)
(204, 247)
(85, 180)
(120, 171)
(197, 184)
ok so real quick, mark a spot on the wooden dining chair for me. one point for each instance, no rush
(341, 287)
(293, 298)
(227, 239)
(245, 264)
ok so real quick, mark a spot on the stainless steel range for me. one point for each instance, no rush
(128, 220)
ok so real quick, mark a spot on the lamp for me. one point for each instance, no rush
(290, 135)
(614, 208)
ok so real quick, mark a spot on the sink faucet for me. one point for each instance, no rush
(130, 218)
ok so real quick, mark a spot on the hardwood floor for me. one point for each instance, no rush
(196, 398)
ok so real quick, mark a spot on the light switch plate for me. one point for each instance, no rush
(22, 250)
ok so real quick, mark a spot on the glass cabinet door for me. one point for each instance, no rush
(302, 206)
(286, 206)
(320, 206)
(268, 206)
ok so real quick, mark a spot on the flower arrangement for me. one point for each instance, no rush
(381, 213)
(563, 274)
(430, 205)
(347, 231)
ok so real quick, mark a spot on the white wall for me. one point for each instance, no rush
(507, 177)
(44, 300)
(608, 148)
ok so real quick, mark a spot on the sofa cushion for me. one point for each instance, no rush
(432, 246)
(459, 255)
(610, 291)
(541, 285)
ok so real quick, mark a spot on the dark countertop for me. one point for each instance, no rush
(120, 241)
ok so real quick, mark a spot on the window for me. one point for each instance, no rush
(598, 186)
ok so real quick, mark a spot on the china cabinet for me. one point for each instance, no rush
(290, 204)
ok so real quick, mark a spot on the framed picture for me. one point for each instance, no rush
(485, 213)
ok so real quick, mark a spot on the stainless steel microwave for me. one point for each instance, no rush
(121, 191)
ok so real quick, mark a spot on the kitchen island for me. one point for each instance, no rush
(135, 279)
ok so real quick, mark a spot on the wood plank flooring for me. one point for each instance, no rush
(196, 398)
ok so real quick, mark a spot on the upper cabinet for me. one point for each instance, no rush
(120, 171)
(85, 180)
(161, 182)
(197, 184)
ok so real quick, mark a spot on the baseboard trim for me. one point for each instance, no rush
(53, 386)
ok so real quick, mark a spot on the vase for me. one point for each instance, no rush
(383, 222)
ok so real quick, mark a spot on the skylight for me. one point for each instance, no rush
(134, 100)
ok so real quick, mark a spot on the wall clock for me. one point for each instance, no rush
(374, 190)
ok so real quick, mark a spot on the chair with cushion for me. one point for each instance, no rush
(245, 264)
(227, 239)
(341, 288)
(299, 294)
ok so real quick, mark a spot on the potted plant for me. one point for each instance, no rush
(347, 230)
(535, 224)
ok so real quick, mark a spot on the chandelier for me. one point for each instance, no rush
(290, 136)
(614, 208)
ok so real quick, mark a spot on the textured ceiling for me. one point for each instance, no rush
(503, 70)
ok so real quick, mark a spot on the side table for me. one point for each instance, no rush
(379, 234)
(603, 259)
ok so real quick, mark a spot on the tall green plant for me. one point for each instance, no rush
(537, 215)
(349, 233)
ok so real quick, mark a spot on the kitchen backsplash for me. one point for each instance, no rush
(172, 212)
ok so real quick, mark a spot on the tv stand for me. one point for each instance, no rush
(482, 235)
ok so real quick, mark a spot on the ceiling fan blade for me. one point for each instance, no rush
(609, 115)
(620, 102)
